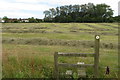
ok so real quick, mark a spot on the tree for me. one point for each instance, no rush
(5, 18)
(103, 12)
(53, 12)
(116, 19)
(79, 13)
(47, 17)
(32, 20)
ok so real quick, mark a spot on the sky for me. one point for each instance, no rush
(119, 8)
(35, 8)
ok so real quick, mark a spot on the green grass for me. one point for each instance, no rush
(105, 27)
(112, 24)
(66, 36)
(36, 60)
(21, 55)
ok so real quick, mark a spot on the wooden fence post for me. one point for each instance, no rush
(56, 72)
(96, 57)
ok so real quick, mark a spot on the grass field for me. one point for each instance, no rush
(28, 48)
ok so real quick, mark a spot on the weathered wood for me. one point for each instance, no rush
(96, 57)
(81, 73)
(76, 54)
(75, 65)
(56, 72)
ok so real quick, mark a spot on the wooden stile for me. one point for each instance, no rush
(95, 55)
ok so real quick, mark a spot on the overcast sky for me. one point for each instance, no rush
(35, 8)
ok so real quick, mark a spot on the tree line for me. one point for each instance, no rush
(20, 20)
(80, 13)
(89, 13)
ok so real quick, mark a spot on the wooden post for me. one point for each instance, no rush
(56, 72)
(96, 57)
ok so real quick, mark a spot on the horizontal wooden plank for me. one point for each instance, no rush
(76, 54)
(75, 65)
(69, 72)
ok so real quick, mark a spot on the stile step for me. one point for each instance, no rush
(68, 72)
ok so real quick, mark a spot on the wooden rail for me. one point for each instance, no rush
(76, 54)
(95, 55)
(75, 65)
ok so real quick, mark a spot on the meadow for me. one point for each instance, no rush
(28, 48)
